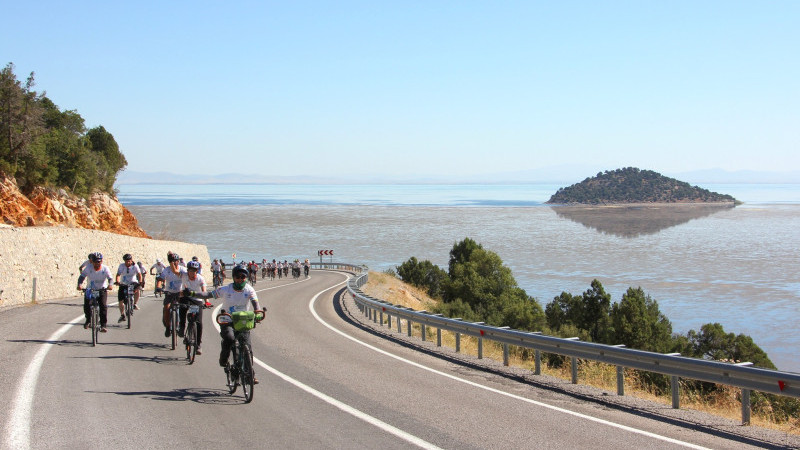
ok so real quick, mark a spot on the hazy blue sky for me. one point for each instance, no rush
(422, 87)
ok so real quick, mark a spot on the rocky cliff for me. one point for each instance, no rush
(44, 206)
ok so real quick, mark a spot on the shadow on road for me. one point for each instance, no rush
(197, 395)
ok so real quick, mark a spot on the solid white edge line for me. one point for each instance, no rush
(336, 403)
(18, 427)
(497, 391)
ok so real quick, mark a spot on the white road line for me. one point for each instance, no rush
(497, 391)
(410, 438)
(18, 427)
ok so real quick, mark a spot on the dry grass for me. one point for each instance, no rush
(604, 376)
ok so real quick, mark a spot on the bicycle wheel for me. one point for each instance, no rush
(191, 342)
(129, 310)
(95, 325)
(246, 374)
(173, 320)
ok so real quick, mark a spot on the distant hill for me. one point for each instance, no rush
(632, 185)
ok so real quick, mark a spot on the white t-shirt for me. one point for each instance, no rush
(159, 268)
(197, 285)
(172, 282)
(127, 275)
(233, 301)
(97, 279)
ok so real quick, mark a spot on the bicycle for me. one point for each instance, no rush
(129, 301)
(263, 273)
(217, 280)
(305, 269)
(190, 338)
(173, 320)
(158, 290)
(251, 277)
(295, 272)
(239, 369)
(94, 315)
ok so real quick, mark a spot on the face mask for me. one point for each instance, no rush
(239, 286)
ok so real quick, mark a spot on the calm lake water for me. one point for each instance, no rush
(736, 266)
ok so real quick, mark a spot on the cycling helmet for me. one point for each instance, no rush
(239, 270)
(173, 257)
(96, 256)
(193, 265)
(158, 260)
(127, 257)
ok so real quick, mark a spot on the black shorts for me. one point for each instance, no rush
(122, 292)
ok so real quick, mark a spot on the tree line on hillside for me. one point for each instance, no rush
(478, 287)
(41, 145)
(632, 185)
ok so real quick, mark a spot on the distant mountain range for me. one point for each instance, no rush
(565, 174)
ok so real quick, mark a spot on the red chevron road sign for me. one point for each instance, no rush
(325, 253)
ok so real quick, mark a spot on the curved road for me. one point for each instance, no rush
(324, 384)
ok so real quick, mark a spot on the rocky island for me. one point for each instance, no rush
(635, 186)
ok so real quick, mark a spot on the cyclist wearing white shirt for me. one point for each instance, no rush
(195, 284)
(129, 276)
(173, 284)
(98, 276)
(158, 267)
(237, 296)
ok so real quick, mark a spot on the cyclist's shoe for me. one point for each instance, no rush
(136, 306)
(121, 318)
(86, 325)
(180, 332)
(224, 363)
(199, 350)
(103, 329)
(167, 332)
(255, 380)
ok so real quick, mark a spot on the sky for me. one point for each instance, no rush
(422, 88)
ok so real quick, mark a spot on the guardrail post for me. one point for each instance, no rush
(537, 357)
(676, 393)
(458, 342)
(620, 380)
(480, 348)
(389, 320)
(422, 331)
(409, 327)
(438, 337)
(399, 325)
(381, 316)
(505, 355)
(574, 370)
(745, 406)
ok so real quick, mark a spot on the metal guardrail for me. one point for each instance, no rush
(738, 375)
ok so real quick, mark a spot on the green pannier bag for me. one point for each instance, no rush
(243, 320)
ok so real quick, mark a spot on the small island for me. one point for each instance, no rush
(630, 185)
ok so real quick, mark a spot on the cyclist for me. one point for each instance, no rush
(194, 258)
(173, 284)
(99, 277)
(158, 267)
(216, 267)
(237, 296)
(306, 267)
(196, 284)
(141, 288)
(128, 274)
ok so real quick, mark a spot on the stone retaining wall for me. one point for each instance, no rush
(48, 258)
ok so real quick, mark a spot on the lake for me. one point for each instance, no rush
(736, 266)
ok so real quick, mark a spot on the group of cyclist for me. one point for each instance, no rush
(181, 283)
(276, 269)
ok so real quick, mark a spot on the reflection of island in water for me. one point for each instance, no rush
(636, 220)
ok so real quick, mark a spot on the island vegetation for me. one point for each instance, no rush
(42, 145)
(632, 185)
(478, 287)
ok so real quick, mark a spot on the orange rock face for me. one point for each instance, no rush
(47, 206)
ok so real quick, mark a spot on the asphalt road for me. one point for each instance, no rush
(326, 382)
